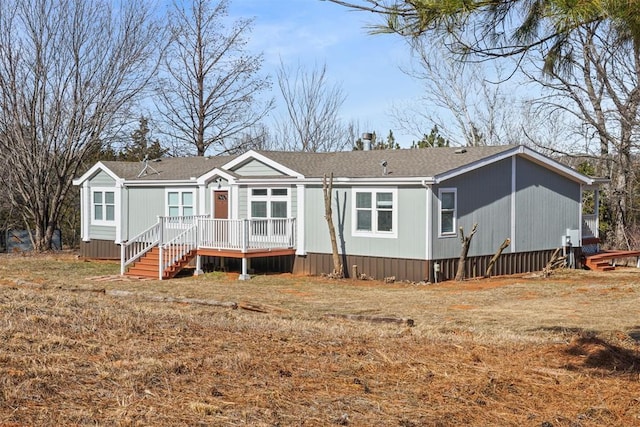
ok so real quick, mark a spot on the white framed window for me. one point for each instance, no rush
(179, 202)
(375, 212)
(269, 202)
(447, 212)
(103, 206)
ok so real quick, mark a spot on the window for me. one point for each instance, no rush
(103, 207)
(447, 211)
(180, 203)
(269, 202)
(266, 203)
(373, 213)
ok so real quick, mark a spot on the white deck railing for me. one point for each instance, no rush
(589, 225)
(177, 236)
(246, 234)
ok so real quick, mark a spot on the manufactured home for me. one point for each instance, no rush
(397, 213)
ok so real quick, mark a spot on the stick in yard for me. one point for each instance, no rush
(466, 241)
(495, 257)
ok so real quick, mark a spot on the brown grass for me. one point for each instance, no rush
(520, 351)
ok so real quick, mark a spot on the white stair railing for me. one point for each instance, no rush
(132, 249)
(178, 247)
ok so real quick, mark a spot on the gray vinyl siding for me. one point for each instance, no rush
(410, 242)
(483, 198)
(102, 232)
(256, 168)
(546, 205)
(243, 200)
(145, 205)
(102, 179)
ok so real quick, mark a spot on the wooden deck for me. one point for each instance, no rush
(605, 261)
(147, 266)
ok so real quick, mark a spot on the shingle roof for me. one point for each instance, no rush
(169, 168)
(428, 162)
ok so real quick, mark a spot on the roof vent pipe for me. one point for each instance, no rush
(384, 167)
(367, 137)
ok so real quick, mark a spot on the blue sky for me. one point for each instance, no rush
(315, 32)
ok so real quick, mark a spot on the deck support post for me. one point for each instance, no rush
(198, 266)
(244, 275)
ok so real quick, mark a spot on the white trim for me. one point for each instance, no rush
(95, 168)
(454, 231)
(118, 211)
(300, 220)
(104, 222)
(257, 156)
(513, 204)
(429, 223)
(268, 198)
(395, 209)
(206, 178)
(580, 216)
(524, 152)
(85, 211)
(202, 195)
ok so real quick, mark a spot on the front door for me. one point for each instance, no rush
(221, 204)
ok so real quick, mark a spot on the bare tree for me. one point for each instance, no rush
(313, 105)
(601, 90)
(210, 87)
(68, 71)
(458, 98)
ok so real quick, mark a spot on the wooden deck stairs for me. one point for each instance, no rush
(147, 265)
(605, 261)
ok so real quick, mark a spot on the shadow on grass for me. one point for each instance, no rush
(596, 353)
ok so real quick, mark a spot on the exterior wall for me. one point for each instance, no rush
(410, 242)
(547, 204)
(101, 179)
(483, 197)
(145, 205)
(100, 249)
(256, 168)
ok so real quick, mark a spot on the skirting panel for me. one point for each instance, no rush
(375, 267)
(418, 270)
(100, 249)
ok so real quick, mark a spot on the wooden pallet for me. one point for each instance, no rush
(605, 261)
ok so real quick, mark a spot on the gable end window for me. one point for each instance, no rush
(103, 207)
(375, 213)
(447, 211)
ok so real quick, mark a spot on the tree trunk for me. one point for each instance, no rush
(495, 257)
(462, 261)
(327, 187)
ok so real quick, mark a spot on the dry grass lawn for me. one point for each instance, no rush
(78, 347)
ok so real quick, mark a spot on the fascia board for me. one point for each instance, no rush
(264, 159)
(475, 165)
(160, 183)
(521, 151)
(554, 165)
(203, 179)
(92, 171)
(340, 181)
